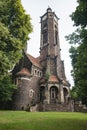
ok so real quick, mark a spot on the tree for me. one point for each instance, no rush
(80, 15)
(6, 89)
(15, 27)
(79, 50)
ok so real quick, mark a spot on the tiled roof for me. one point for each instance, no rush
(24, 71)
(34, 61)
(53, 78)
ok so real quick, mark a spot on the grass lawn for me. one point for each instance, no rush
(21, 120)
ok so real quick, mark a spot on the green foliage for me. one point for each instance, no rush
(9, 50)
(78, 52)
(74, 93)
(6, 89)
(15, 27)
(74, 38)
(80, 15)
(13, 16)
(47, 75)
(73, 52)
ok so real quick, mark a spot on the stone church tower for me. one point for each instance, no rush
(42, 80)
(55, 89)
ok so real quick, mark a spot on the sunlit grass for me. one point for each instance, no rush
(21, 120)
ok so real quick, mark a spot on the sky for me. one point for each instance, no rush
(63, 9)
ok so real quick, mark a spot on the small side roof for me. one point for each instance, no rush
(34, 61)
(53, 78)
(24, 71)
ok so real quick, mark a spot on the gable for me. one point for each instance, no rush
(34, 61)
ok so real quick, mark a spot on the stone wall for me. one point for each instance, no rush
(26, 94)
(79, 107)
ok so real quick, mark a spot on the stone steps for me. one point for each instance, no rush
(57, 107)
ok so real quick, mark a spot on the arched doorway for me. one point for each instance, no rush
(53, 94)
(65, 91)
(42, 93)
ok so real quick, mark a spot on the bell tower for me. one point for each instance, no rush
(49, 45)
(51, 87)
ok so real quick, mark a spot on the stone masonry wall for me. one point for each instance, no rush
(23, 97)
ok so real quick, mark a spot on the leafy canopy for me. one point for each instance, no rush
(15, 26)
(78, 52)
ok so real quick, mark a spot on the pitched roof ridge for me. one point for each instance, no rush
(32, 56)
(29, 55)
(35, 61)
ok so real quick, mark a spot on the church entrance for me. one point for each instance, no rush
(53, 94)
(65, 95)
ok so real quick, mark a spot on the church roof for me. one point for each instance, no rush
(53, 78)
(34, 61)
(24, 71)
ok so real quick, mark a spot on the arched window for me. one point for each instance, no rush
(45, 26)
(56, 37)
(65, 94)
(44, 37)
(38, 73)
(42, 93)
(35, 72)
(18, 81)
(31, 93)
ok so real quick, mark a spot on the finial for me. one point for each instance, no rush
(49, 9)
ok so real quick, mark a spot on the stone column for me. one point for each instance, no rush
(61, 94)
(48, 95)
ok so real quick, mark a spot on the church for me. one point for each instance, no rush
(41, 82)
